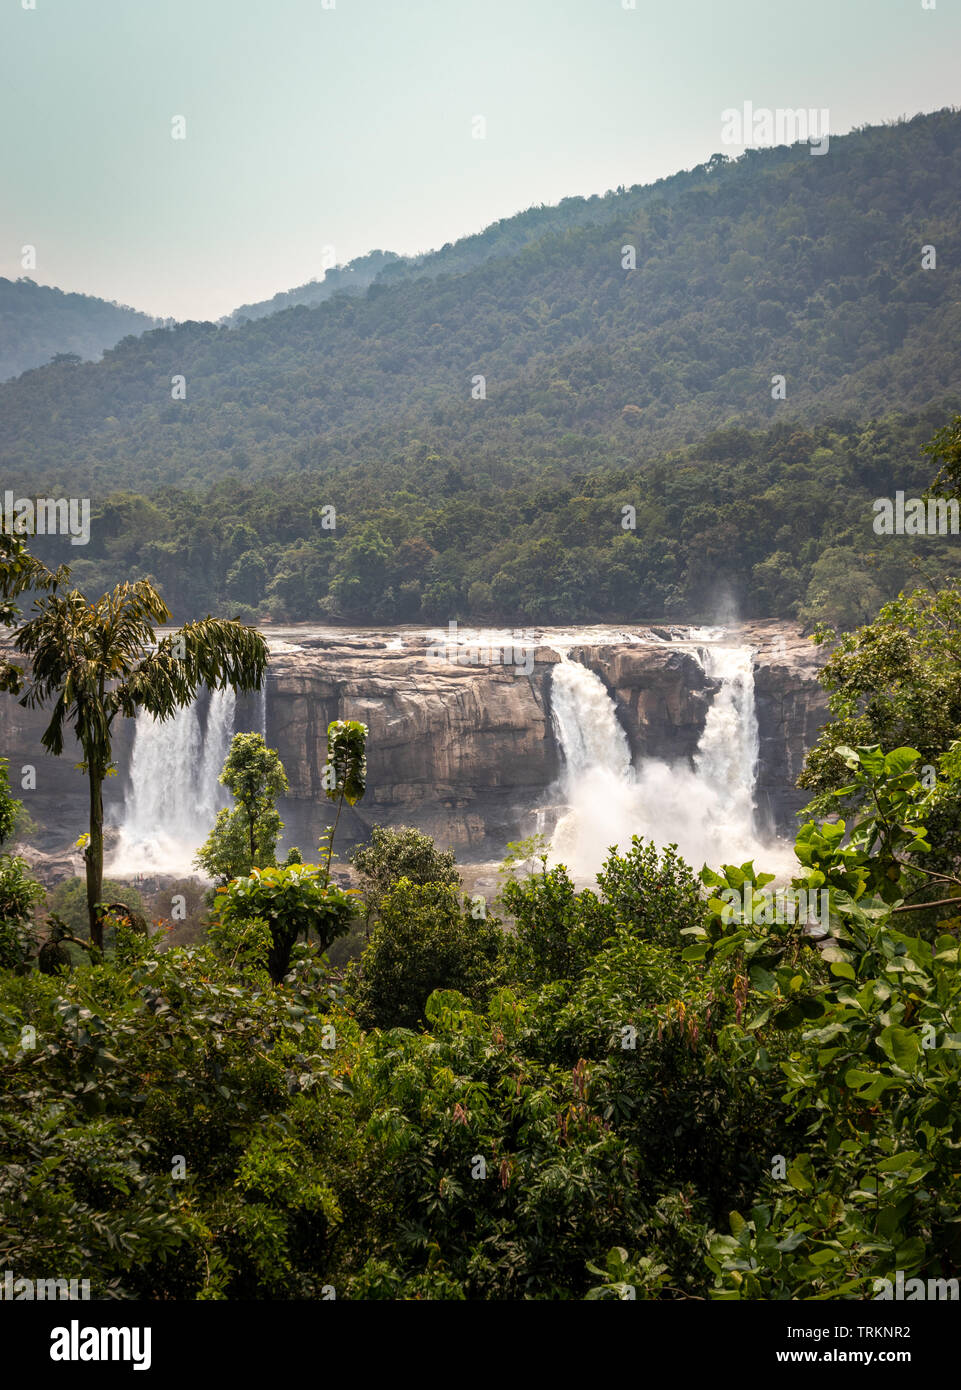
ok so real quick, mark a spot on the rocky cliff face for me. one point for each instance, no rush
(791, 708)
(662, 695)
(461, 742)
(454, 749)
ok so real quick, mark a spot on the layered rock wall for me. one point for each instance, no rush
(464, 749)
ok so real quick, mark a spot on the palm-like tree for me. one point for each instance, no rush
(97, 660)
(19, 573)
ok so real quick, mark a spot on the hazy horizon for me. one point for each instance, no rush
(352, 127)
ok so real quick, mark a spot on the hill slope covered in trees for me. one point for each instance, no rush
(38, 322)
(778, 262)
(606, 388)
(777, 522)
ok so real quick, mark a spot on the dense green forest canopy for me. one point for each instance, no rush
(777, 522)
(628, 1091)
(775, 263)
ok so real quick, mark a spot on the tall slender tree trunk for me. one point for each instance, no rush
(330, 842)
(93, 855)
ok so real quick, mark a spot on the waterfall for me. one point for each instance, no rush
(707, 809)
(598, 777)
(219, 732)
(587, 725)
(725, 763)
(174, 792)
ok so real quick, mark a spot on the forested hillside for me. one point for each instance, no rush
(605, 388)
(344, 279)
(778, 262)
(774, 523)
(38, 322)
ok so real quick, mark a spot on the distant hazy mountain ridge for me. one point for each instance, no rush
(38, 321)
(346, 279)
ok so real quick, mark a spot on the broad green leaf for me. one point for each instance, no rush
(901, 1046)
(896, 1162)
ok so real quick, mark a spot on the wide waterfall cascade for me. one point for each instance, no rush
(174, 793)
(707, 809)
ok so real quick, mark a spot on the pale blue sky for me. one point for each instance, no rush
(351, 126)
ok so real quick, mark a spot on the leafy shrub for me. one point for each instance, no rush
(69, 901)
(19, 895)
(292, 901)
(400, 852)
(423, 940)
(653, 893)
(557, 931)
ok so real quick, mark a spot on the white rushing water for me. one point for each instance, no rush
(705, 805)
(174, 792)
(707, 809)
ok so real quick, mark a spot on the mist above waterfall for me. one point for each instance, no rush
(707, 809)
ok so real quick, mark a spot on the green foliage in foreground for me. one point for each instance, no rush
(291, 901)
(19, 892)
(393, 853)
(423, 940)
(244, 836)
(632, 1091)
(897, 681)
(69, 901)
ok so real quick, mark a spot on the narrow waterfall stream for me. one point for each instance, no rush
(174, 793)
(261, 698)
(725, 763)
(707, 809)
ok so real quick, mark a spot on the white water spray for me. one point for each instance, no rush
(725, 763)
(174, 793)
(598, 778)
(217, 739)
(707, 810)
